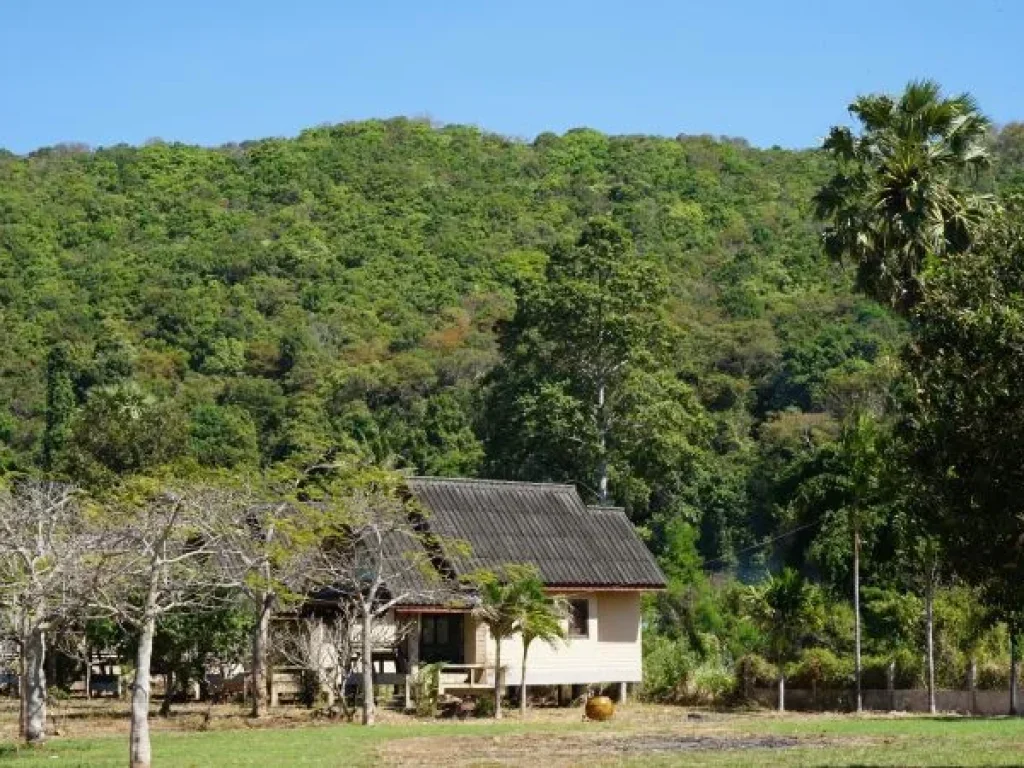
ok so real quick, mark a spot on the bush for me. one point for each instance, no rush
(993, 676)
(820, 668)
(484, 706)
(909, 670)
(674, 673)
(668, 664)
(754, 671)
(710, 683)
(425, 688)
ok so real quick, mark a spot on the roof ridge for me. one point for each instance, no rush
(490, 481)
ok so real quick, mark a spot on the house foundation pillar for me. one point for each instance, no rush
(623, 693)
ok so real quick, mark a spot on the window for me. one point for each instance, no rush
(579, 618)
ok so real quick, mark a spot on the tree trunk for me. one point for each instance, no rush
(369, 708)
(22, 681)
(890, 684)
(497, 678)
(859, 704)
(929, 629)
(782, 692)
(1014, 673)
(602, 432)
(88, 673)
(165, 705)
(522, 684)
(260, 645)
(972, 683)
(140, 752)
(34, 687)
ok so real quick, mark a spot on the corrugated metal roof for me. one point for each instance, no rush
(545, 524)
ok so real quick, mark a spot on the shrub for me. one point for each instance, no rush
(993, 676)
(820, 668)
(710, 683)
(909, 670)
(484, 706)
(754, 671)
(668, 664)
(426, 685)
(674, 673)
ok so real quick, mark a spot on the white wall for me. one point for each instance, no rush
(610, 652)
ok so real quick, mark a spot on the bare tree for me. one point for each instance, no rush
(160, 556)
(325, 641)
(43, 544)
(261, 550)
(373, 556)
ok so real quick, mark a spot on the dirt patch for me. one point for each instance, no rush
(560, 750)
(640, 744)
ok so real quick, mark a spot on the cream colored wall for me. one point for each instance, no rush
(610, 653)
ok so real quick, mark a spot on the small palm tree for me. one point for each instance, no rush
(540, 618)
(786, 608)
(500, 609)
(899, 197)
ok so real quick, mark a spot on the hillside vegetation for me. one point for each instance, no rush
(343, 289)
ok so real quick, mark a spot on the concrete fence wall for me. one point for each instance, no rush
(915, 700)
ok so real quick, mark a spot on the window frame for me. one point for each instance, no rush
(584, 602)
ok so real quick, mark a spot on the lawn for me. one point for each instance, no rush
(640, 735)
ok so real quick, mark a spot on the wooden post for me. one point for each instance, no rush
(623, 692)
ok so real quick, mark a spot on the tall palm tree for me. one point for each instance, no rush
(540, 618)
(900, 195)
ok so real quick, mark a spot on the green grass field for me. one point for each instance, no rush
(641, 735)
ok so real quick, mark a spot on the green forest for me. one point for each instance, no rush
(429, 297)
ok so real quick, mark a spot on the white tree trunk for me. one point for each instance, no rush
(859, 705)
(140, 752)
(929, 624)
(498, 679)
(782, 692)
(34, 686)
(369, 706)
(602, 432)
(260, 644)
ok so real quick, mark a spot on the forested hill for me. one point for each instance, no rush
(342, 288)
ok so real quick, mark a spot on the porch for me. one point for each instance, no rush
(450, 638)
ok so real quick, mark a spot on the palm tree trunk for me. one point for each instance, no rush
(929, 619)
(1014, 673)
(522, 684)
(856, 617)
(497, 678)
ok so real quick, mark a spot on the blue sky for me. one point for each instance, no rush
(211, 72)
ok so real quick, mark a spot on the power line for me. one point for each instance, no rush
(768, 541)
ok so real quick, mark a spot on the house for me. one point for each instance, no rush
(591, 555)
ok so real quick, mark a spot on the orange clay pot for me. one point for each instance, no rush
(600, 708)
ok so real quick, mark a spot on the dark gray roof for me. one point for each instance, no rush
(545, 524)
